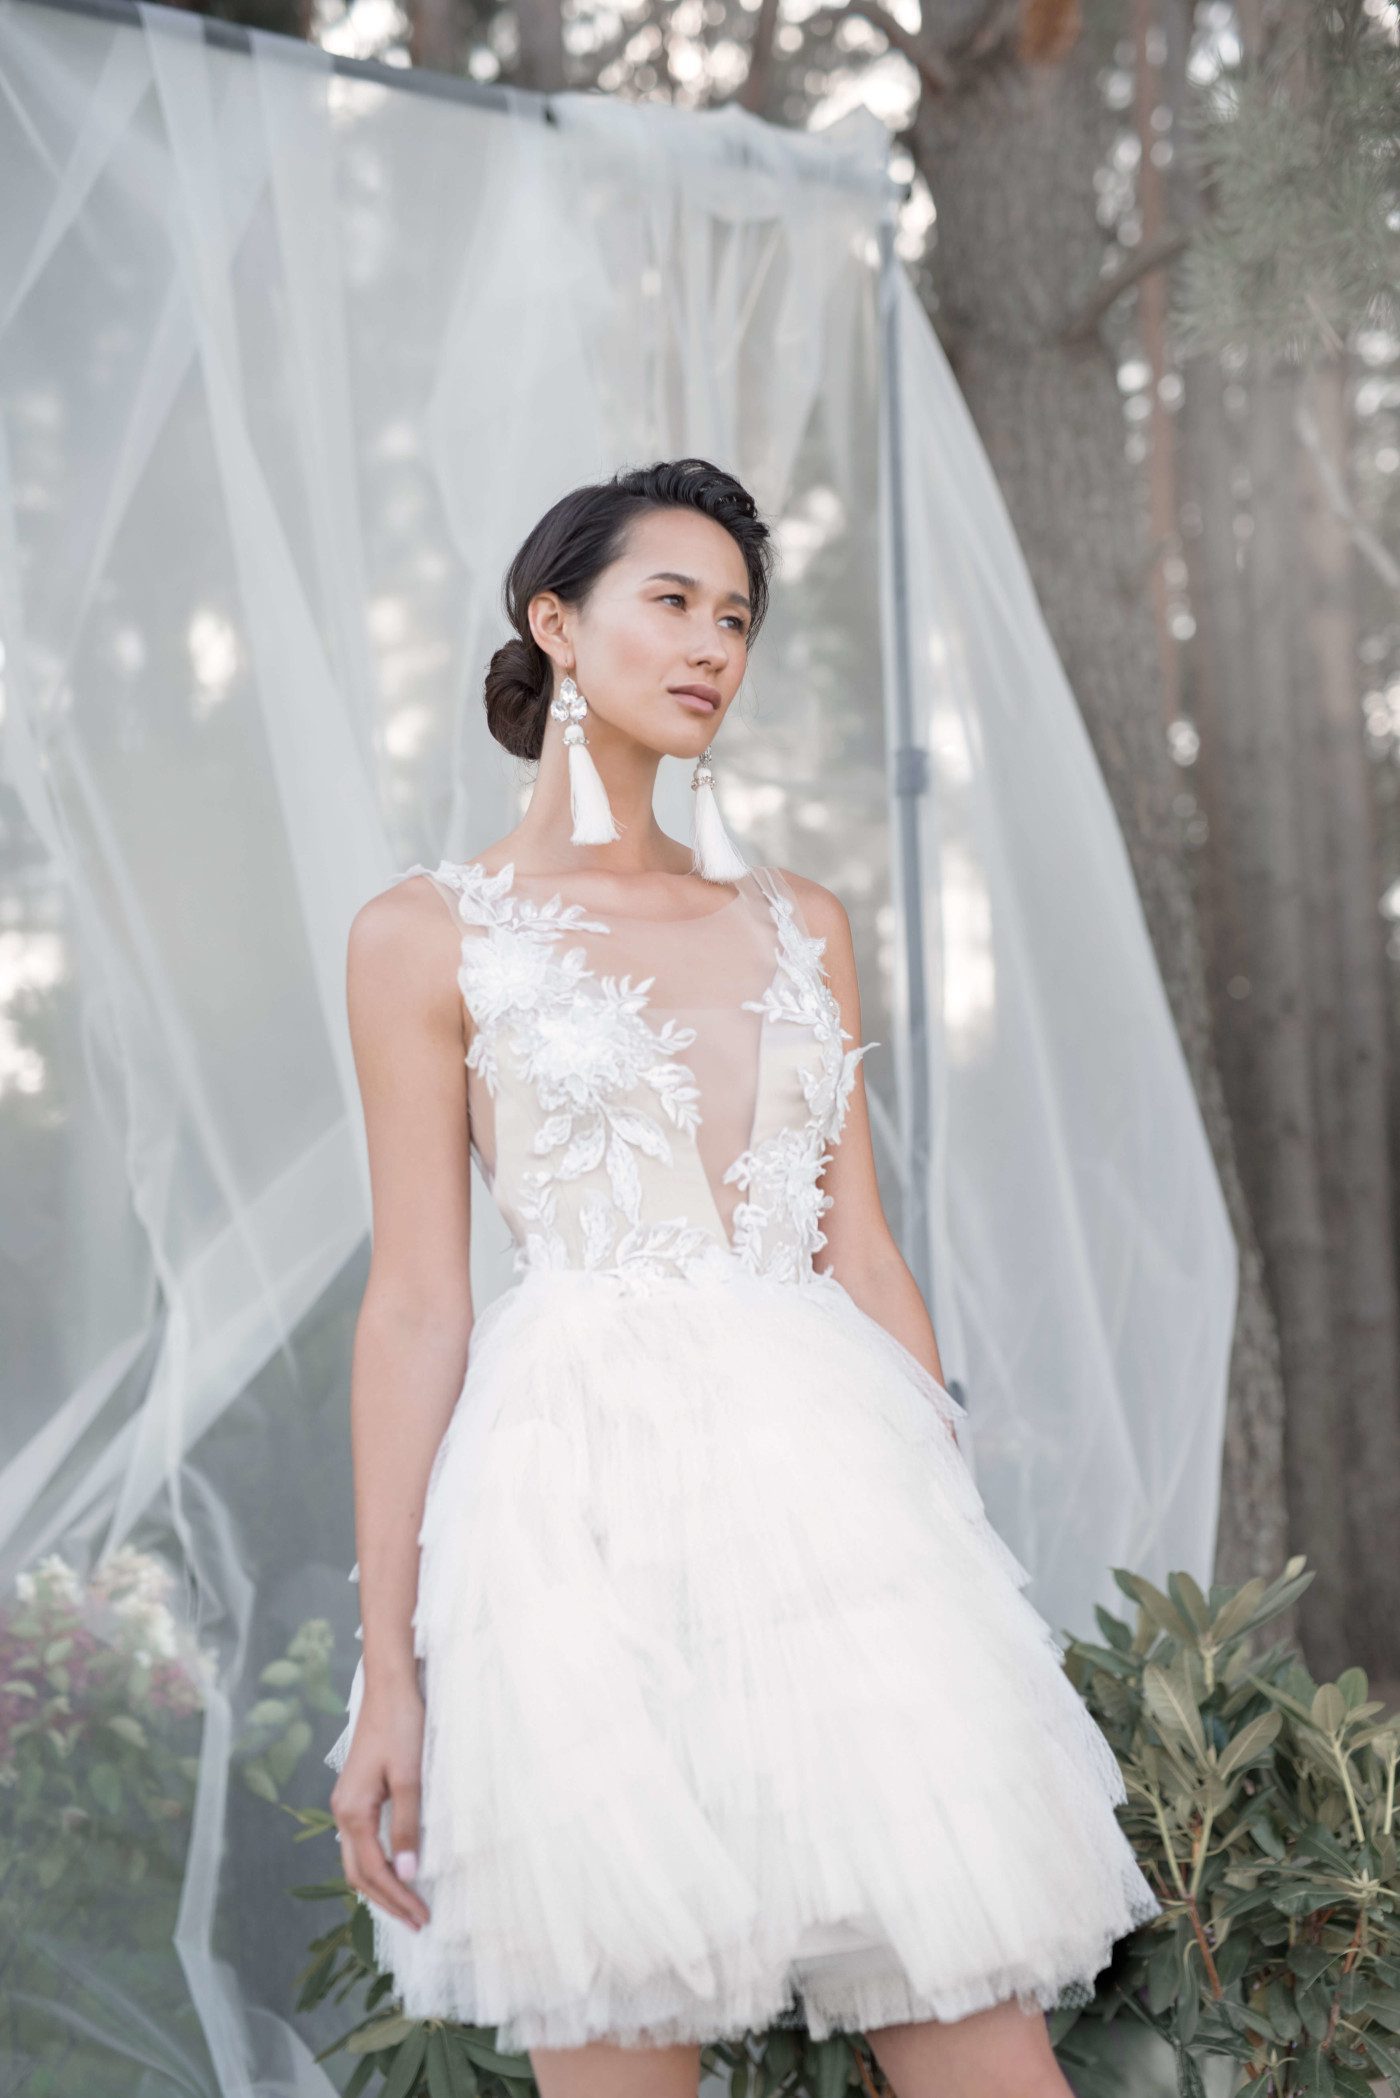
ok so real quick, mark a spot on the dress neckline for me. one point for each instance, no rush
(507, 868)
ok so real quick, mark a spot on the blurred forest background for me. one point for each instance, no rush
(1160, 242)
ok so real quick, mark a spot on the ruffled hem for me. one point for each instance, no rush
(856, 1991)
(723, 1660)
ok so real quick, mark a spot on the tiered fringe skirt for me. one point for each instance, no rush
(735, 1707)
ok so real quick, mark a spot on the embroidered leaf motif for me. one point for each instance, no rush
(584, 1152)
(640, 1130)
(581, 1048)
(551, 1134)
(625, 1179)
(597, 1220)
(802, 994)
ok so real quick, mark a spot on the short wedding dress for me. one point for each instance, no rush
(736, 1712)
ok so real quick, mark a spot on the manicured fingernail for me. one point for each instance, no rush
(406, 1863)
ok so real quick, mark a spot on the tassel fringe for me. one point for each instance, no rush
(716, 856)
(594, 823)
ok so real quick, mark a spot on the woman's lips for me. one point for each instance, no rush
(696, 703)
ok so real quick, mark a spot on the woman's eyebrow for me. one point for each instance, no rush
(669, 575)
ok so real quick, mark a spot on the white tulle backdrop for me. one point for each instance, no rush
(290, 359)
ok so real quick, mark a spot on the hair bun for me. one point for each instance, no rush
(512, 659)
(516, 684)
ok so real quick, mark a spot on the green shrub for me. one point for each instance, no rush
(1261, 1806)
(102, 1695)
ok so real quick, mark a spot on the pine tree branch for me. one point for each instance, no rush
(1048, 30)
(1363, 538)
(940, 66)
(997, 23)
(1149, 255)
(928, 60)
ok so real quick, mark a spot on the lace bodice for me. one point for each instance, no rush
(647, 1098)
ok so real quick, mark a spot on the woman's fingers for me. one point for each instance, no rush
(403, 1823)
(368, 1871)
(384, 1763)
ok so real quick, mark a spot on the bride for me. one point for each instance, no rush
(697, 1690)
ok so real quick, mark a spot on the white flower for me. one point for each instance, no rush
(580, 1052)
(130, 1571)
(504, 975)
(148, 1623)
(57, 1579)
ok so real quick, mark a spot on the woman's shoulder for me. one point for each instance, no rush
(821, 908)
(405, 926)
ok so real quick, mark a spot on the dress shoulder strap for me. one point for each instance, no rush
(441, 879)
(472, 895)
(774, 884)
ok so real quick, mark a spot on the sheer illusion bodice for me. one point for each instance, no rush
(648, 1097)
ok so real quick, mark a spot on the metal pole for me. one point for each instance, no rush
(908, 779)
(413, 80)
(505, 99)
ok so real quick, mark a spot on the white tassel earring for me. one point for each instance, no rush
(588, 797)
(716, 856)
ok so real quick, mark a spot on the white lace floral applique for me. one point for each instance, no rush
(587, 1053)
(800, 992)
(781, 1176)
(582, 1043)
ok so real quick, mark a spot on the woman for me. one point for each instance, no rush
(697, 1690)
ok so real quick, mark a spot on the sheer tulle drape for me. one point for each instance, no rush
(288, 363)
(1085, 1269)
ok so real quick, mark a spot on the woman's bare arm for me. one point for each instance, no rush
(861, 1249)
(411, 1338)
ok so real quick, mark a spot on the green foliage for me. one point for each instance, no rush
(279, 1730)
(1301, 169)
(101, 1697)
(103, 1693)
(1261, 1805)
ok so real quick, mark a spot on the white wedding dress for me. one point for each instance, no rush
(736, 1711)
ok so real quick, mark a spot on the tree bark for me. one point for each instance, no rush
(1219, 664)
(1219, 661)
(540, 62)
(1278, 1117)
(1152, 330)
(1348, 970)
(435, 34)
(757, 90)
(1010, 160)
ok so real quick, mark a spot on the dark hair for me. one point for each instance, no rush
(584, 533)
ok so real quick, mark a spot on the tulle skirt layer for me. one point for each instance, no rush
(735, 1707)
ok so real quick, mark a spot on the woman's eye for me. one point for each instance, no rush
(673, 597)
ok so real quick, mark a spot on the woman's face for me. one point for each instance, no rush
(672, 611)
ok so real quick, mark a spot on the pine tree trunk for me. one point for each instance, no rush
(1010, 160)
(1219, 664)
(1351, 1051)
(540, 28)
(1277, 1117)
(1298, 971)
(435, 34)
